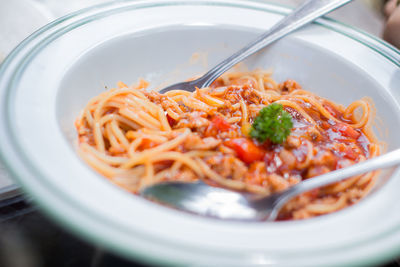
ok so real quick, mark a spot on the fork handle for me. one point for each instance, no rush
(305, 13)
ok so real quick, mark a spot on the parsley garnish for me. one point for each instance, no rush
(272, 123)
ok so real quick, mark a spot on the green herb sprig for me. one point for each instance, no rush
(273, 123)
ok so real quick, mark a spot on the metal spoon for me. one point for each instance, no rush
(206, 200)
(305, 13)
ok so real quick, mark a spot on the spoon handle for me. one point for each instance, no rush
(304, 14)
(384, 161)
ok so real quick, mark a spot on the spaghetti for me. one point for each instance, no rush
(137, 138)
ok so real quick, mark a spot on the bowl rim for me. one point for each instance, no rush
(379, 46)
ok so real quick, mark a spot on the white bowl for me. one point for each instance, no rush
(48, 79)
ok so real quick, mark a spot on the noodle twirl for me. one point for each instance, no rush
(137, 138)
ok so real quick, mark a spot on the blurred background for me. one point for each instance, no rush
(28, 238)
(19, 18)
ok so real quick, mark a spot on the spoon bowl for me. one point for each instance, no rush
(206, 200)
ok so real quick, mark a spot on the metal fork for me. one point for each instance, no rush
(304, 14)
